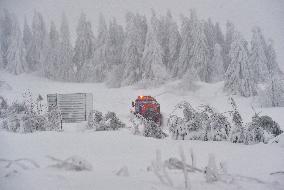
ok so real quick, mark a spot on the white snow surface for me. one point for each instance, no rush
(109, 151)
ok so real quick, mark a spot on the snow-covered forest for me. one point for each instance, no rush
(146, 51)
(152, 94)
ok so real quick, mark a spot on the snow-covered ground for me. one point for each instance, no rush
(108, 152)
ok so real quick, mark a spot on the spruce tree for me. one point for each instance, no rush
(173, 42)
(16, 54)
(6, 35)
(230, 30)
(272, 65)
(199, 52)
(27, 35)
(66, 52)
(258, 56)
(238, 77)
(216, 66)
(210, 33)
(182, 65)
(152, 62)
(36, 54)
(52, 63)
(100, 54)
(84, 50)
(273, 94)
(136, 28)
(114, 44)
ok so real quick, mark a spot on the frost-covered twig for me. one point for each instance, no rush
(75, 163)
(19, 163)
(174, 163)
(211, 172)
(278, 172)
(192, 156)
(159, 170)
(185, 172)
(123, 171)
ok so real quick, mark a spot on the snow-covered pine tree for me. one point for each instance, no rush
(84, 50)
(27, 35)
(66, 71)
(1, 56)
(52, 65)
(272, 65)
(152, 62)
(1, 60)
(173, 42)
(136, 29)
(114, 53)
(219, 35)
(200, 53)
(273, 94)
(230, 30)
(194, 52)
(100, 54)
(36, 54)
(115, 42)
(216, 66)
(258, 57)
(182, 65)
(6, 29)
(210, 33)
(238, 77)
(16, 54)
(220, 39)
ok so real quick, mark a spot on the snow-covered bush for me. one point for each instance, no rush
(28, 116)
(3, 107)
(54, 119)
(261, 129)
(187, 124)
(14, 116)
(193, 124)
(110, 121)
(95, 120)
(151, 129)
(238, 130)
(146, 126)
(267, 124)
(254, 133)
(207, 124)
(217, 126)
(113, 121)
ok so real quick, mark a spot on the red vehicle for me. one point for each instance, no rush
(148, 107)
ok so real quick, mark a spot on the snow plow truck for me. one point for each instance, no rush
(148, 108)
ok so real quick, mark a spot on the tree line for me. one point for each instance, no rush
(143, 51)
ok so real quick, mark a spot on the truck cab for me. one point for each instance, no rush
(147, 107)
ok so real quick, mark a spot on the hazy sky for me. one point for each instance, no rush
(268, 14)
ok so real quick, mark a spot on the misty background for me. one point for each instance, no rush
(245, 14)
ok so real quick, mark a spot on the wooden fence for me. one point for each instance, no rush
(73, 107)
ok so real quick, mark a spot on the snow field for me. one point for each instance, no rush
(109, 151)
